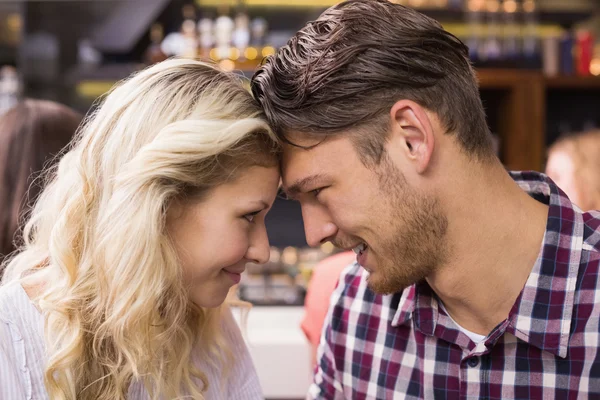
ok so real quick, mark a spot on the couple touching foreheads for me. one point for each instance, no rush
(470, 282)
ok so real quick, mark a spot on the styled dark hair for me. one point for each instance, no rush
(345, 70)
(32, 133)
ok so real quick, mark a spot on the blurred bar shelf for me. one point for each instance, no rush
(496, 78)
(573, 82)
(268, 3)
(548, 13)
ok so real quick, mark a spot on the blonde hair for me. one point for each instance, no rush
(584, 150)
(115, 306)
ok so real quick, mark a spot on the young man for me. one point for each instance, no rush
(470, 282)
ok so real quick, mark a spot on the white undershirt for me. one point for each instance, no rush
(475, 337)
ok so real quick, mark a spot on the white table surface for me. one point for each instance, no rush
(279, 349)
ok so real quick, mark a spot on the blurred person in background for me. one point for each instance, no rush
(324, 279)
(574, 165)
(32, 134)
(118, 292)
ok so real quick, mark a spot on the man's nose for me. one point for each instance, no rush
(318, 226)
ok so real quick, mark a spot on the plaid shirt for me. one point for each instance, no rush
(405, 346)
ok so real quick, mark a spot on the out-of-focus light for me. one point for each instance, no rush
(289, 256)
(476, 5)
(14, 22)
(251, 53)
(268, 51)
(529, 6)
(327, 247)
(595, 67)
(510, 6)
(227, 65)
(493, 6)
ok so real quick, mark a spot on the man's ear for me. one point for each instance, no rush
(412, 127)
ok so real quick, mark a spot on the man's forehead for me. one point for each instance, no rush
(301, 139)
(298, 151)
(296, 159)
(312, 155)
(298, 164)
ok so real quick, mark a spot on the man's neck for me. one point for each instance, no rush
(495, 234)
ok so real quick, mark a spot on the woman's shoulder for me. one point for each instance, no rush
(21, 345)
(17, 309)
(10, 298)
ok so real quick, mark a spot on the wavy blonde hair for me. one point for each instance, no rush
(115, 306)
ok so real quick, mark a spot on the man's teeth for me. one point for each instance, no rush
(360, 248)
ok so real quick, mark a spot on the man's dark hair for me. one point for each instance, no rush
(344, 71)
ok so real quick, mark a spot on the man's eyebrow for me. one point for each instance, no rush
(301, 185)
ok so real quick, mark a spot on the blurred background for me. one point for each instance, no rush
(538, 63)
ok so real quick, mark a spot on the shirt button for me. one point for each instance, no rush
(473, 362)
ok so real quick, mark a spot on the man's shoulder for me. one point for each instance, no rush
(591, 231)
(588, 275)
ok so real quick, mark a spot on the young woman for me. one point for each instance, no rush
(136, 240)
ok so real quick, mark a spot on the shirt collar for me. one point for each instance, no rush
(543, 312)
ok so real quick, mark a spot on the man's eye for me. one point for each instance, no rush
(315, 192)
(250, 216)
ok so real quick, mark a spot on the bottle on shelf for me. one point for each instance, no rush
(566, 46)
(474, 19)
(183, 43)
(223, 34)
(551, 55)
(492, 50)
(258, 28)
(241, 35)
(584, 52)
(10, 88)
(188, 31)
(154, 53)
(531, 47)
(206, 37)
(510, 37)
